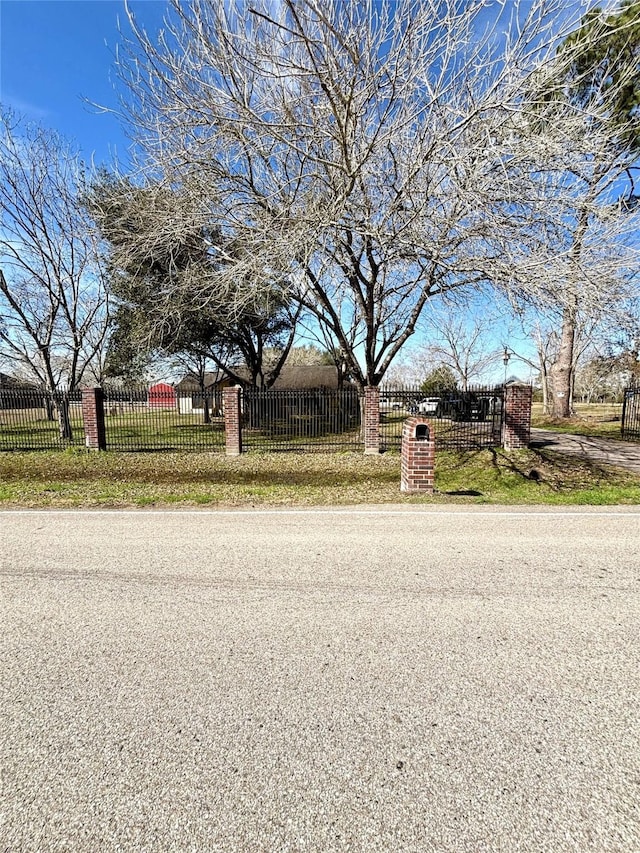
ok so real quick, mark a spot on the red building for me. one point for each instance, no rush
(162, 396)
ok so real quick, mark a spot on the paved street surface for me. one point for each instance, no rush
(374, 680)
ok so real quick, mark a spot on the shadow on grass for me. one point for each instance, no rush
(191, 470)
(555, 471)
(503, 463)
(474, 474)
(487, 469)
(534, 445)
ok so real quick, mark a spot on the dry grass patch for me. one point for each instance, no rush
(600, 420)
(81, 479)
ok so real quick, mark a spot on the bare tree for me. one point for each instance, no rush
(251, 350)
(461, 336)
(581, 259)
(546, 348)
(599, 378)
(543, 330)
(53, 302)
(579, 251)
(361, 149)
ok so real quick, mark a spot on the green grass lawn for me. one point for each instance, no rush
(77, 478)
(29, 429)
(166, 430)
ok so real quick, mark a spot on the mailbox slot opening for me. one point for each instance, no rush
(422, 432)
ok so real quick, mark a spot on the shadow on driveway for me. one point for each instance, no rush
(608, 451)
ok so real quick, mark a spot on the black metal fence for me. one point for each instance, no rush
(163, 418)
(306, 419)
(37, 419)
(630, 427)
(325, 419)
(463, 420)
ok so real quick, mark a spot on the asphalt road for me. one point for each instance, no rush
(393, 680)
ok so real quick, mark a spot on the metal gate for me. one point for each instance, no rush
(463, 420)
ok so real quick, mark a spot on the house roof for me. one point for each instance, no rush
(307, 376)
(7, 381)
(166, 386)
(291, 377)
(298, 376)
(190, 381)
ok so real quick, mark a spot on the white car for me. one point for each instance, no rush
(429, 406)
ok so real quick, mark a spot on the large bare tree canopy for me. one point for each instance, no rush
(578, 200)
(368, 151)
(53, 303)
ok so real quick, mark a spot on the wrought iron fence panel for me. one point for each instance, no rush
(37, 419)
(462, 420)
(305, 419)
(163, 418)
(630, 427)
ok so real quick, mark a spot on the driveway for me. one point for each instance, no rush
(379, 680)
(609, 451)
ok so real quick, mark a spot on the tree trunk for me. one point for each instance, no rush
(544, 378)
(64, 418)
(561, 371)
(50, 408)
(206, 412)
(363, 414)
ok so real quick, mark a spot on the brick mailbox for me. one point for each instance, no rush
(418, 456)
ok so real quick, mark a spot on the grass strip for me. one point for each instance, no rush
(77, 478)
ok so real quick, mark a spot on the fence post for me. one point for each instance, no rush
(517, 416)
(418, 456)
(232, 420)
(371, 420)
(93, 417)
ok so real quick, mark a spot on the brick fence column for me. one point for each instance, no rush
(93, 417)
(371, 420)
(232, 420)
(517, 416)
(418, 456)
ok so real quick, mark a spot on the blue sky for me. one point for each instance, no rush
(55, 53)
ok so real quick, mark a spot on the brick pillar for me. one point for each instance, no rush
(232, 420)
(93, 417)
(517, 416)
(371, 420)
(418, 456)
